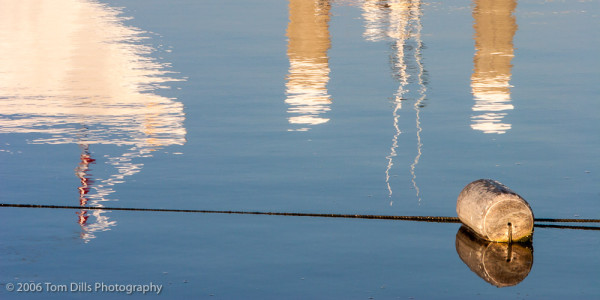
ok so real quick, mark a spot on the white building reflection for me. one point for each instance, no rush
(308, 42)
(399, 22)
(72, 73)
(495, 27)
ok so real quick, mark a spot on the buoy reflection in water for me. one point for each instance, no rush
(500, 264)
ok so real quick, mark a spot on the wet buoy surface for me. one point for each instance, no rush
(495, 212)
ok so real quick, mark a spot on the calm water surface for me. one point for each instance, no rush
(349, 106)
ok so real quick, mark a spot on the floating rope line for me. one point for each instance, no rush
(567, 220)
(567, 227)
(436, 219)
(347, 216)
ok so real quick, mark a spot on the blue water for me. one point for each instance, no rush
(350, 107)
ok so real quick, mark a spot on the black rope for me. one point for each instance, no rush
(567, 220)
(566, 227)
(437, 219)
(347, 216)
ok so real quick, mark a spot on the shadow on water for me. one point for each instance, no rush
(76, 74)
(500, 264)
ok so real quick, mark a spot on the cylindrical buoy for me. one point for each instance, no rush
(495, 212)
(500, 264)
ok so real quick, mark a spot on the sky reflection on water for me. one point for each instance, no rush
(349, 106)
(75, 74)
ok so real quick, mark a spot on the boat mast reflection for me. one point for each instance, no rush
(74, 63)
(308, 43)
(500, 264)
(400, 22)
(495, 27)
(82, 172)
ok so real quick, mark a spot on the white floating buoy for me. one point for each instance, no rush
(495, 212)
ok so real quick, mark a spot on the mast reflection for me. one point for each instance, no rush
(73, 73)
(308, 43)
(399, 21)
(82, 172)
(495, 27)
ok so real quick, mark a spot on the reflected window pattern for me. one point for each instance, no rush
(495, 27)
(308, 43)
(74, 73)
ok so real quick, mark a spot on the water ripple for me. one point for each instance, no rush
(74, 73)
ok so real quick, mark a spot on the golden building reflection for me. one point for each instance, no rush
(71, 72)
(399, 22)
(495, 27)
(308, 43)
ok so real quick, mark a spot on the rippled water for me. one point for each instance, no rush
(351, 107)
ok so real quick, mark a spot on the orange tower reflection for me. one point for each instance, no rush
(308, 43)
(65, 64)
(495, 27)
